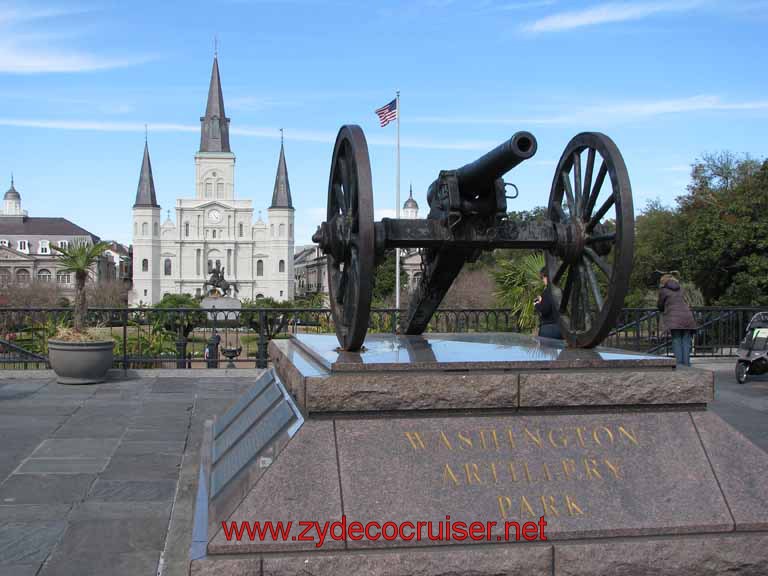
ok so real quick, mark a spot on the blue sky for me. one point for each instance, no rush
(667, 80)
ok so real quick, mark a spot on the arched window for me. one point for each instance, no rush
(144, 228)
(220, 189)
(167, 267)
(281, 266)
(156, 229)
(186, 229)
(290, 230)
(240, 229)
(272, 230)
(44, 275)
(22, 276)
(145, 265)
(210, 266)
(281, 230)
(63, 278)
(214, 234)
(5, 276)
(218, 263)
(208, 189)
(259, 295)
(135, 228)
(260, 268)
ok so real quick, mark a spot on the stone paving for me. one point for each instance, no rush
(89, 475)
(102, 479)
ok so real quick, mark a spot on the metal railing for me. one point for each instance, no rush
(194, 338)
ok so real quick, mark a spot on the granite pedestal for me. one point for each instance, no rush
(616, 451)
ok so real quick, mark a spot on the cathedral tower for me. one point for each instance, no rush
(281, 228)
(146, 237)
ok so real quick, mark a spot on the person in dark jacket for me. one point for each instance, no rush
(677, 318)
(549, 324)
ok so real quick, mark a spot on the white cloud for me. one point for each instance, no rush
(37, 52)
(607, 112)
(605, 13)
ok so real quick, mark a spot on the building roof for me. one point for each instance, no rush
(42, 227)
(281, 195)
(214, 127)
(411, 203)
(12, 193)
(145, 193)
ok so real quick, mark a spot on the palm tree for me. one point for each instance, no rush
(518, 283)
(78, 259)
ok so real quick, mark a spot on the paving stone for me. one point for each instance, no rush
(76, 448)
(174, 386)
(42, 489)
(150, 447)
(62, 466)
(92, 509)
(133, 490)
(33, 512)
(93, 424)
(113, 535)
(142, 467)
(97, 562)
(177, 434)
(19, 569)
(28, 542)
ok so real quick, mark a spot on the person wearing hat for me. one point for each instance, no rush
(549, 318)
(677, 317)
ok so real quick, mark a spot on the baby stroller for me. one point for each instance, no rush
(753, 350)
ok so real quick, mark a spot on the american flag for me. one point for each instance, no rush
(387, 113)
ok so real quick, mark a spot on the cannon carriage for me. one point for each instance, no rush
(587, 237)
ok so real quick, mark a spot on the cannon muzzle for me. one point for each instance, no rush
(497, 162)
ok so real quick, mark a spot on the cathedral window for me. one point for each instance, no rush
(156, 229)
(281, 230)
(272, 230)
(167, 267)
(145, 265)
(260, 268)
(208, 189)
(214, 234)
(281, 266)
(220, 189)
(240, 229)
(135, 228)
(186, 229)
(144, 228)
(218, 263)
(210, 266)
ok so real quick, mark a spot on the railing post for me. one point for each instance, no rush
(261, 361)
(125, 341)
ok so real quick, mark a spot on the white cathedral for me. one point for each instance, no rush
(213, 228)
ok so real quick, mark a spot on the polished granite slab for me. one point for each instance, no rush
(466, 351)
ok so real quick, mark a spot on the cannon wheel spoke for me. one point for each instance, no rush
(590, 302)
(350, 194)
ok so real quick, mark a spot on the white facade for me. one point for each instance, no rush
(213, 227)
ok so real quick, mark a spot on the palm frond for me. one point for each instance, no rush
(80, 256)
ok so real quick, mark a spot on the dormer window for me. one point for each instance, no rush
(4, 243)
(23, 246)
(45, 247)
(64, 244)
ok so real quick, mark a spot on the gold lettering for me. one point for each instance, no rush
(449, 475)
(416, 440)
(573, 508)
(511, 438)
(580, 436)
(527, 472)
(494, 439)
(569, 467)
(505, 505)
(613, 467)
(549, 507)
(562, 437)
(445, 441)
(512, 471)
(535, 438)
(547, 474)
(596, 435)
(590, 466)
(628, 435)
(474, 473)
(525, 507)
(494, 473)
(466, 441)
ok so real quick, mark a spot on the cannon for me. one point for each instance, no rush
(587, 235)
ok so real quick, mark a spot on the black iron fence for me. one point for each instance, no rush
(193, 338)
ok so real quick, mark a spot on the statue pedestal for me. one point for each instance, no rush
(230, 308)
(616, 451)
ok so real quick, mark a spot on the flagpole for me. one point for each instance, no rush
(397, 207)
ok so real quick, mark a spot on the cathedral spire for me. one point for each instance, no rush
(145, 194)
(214, 126)
(281, 195)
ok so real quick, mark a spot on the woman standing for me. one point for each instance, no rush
(677, 318)
(549, 325)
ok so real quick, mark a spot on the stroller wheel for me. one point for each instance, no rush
(741, 372)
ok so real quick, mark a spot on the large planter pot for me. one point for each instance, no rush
(80, 362)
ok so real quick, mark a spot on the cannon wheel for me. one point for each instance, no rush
(351, 260)
(589, 270)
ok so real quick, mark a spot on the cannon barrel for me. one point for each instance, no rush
(497, 162)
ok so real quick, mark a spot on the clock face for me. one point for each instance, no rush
(214, 216)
